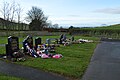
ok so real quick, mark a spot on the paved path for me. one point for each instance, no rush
(27, 72)
(105, 63)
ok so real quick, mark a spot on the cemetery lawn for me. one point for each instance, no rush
(5, 77)
(76, 58)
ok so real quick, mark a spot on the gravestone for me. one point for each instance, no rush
(7, 50)
(61, 38)
(48, 41)
(64, 37)
(51, 40)
(38, 41)
(29, 41)
(72, 38)
(12, 46)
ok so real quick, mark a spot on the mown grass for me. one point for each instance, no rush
(5, 77)
(76, 58)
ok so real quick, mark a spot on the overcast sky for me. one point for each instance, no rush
(75, 12)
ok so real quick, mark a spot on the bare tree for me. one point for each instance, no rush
(4, 9)
(5, 12)
(37, 19)
(11, 12)
(19, 10)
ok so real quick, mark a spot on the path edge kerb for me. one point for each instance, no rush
(110, 39)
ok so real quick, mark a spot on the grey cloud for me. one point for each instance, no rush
(109, 10)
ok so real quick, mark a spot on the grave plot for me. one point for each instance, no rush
(28, 46)
(52, 43)
(65, 41)
(12, 49)
(39, 49)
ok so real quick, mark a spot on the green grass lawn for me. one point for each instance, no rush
(76, 58)
(5, 77)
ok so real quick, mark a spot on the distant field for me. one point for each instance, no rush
(112, 31)
(117, 26)
(76, 57)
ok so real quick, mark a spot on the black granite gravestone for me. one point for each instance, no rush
(29, 41)
(7, 50)
(38, 41)
(12, 46)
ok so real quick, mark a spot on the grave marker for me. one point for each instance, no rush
(61, 38)
(48, 41)
(29, 42)
(38, 41)
(12, 46)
